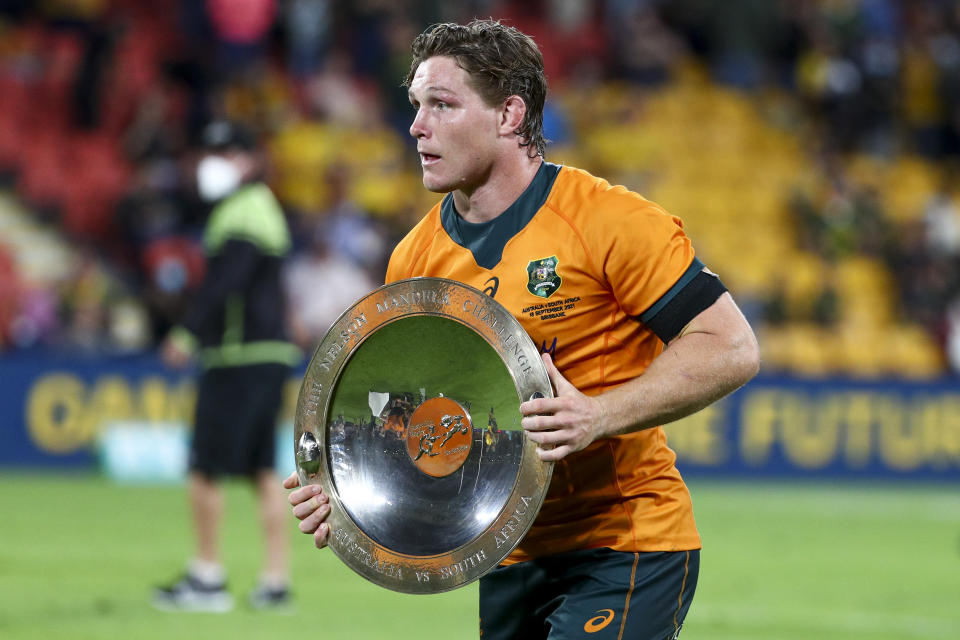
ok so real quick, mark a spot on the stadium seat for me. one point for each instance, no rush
(866, 289)
(9, 295)
(907, 187)
(13, 133)
(912, 353)
(860, 344)
(95, 185)
(43, 169)
(811, 350)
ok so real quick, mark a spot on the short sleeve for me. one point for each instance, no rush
(645, 252)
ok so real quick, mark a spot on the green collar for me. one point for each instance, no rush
(486, 240)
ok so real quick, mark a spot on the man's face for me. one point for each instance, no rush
(456, 130)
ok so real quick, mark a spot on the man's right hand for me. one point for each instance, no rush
(311, 507)
(178, 348)
(174, 355)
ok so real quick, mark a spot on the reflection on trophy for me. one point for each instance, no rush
(492, 433)
(425, 497)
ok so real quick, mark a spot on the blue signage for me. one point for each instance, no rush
(54, 409)
(829, 427)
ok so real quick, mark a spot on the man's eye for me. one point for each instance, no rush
(442, 106)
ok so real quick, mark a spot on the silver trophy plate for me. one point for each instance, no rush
(409, 419)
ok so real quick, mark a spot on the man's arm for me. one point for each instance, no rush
(232, 273)
(712, 356)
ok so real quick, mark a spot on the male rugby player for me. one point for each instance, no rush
(635, 333)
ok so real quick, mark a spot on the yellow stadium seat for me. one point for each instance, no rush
(860, 349)
(913, 353)
(812, 350)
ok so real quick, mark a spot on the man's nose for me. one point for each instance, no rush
(417, 127)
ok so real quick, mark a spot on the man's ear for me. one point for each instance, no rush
(512, 114)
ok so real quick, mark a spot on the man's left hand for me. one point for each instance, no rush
(174, 355)
(563, 424)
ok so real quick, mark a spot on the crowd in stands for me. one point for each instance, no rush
(811, 147)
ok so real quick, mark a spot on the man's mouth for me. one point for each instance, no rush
(428, 158)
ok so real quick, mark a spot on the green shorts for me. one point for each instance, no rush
(594, 593)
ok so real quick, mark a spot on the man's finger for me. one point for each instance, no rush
(291, 482)
(541, 406)
(552, 455)
(548, 437)
(320, 536)
(531, 407)
(314, 520)
(561, 385)
(304, 509)
(540, 422)
(304, 493)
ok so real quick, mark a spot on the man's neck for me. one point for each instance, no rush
(498, 192)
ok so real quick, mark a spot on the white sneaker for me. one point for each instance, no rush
(190, 594)
(264, 598)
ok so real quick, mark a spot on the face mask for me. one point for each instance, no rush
(216, 177)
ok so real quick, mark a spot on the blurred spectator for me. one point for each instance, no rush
(843, 217)
(174, 268)
(738, 38)
(236, 325)
(241, 30)
(308, 34)
(953, 335)
(941, 219)
(86, 298)
(36, 323)
(645, 50)
(321, 284)
(831, 83)
(88, 84)
(923, 112)
(102, 98)
(927, 280)
(339, 95)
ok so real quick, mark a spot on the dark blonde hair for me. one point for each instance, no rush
(501, 61)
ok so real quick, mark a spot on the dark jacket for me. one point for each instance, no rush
(238, 315)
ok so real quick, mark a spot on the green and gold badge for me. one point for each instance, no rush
(542, 277)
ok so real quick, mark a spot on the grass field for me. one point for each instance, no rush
(78, 556)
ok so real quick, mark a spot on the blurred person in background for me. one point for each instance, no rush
(321, 283)
(237, 326)
(648, 335)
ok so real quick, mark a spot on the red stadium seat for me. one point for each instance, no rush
(12, 132)
(9, 294)
(43, 169)
(98, 178)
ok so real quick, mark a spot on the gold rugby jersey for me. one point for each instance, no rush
(588, 269)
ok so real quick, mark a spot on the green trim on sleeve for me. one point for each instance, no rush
(248, 353)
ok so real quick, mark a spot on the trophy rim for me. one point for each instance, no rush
(404, 572)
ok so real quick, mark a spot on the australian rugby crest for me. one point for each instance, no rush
(542, 277)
